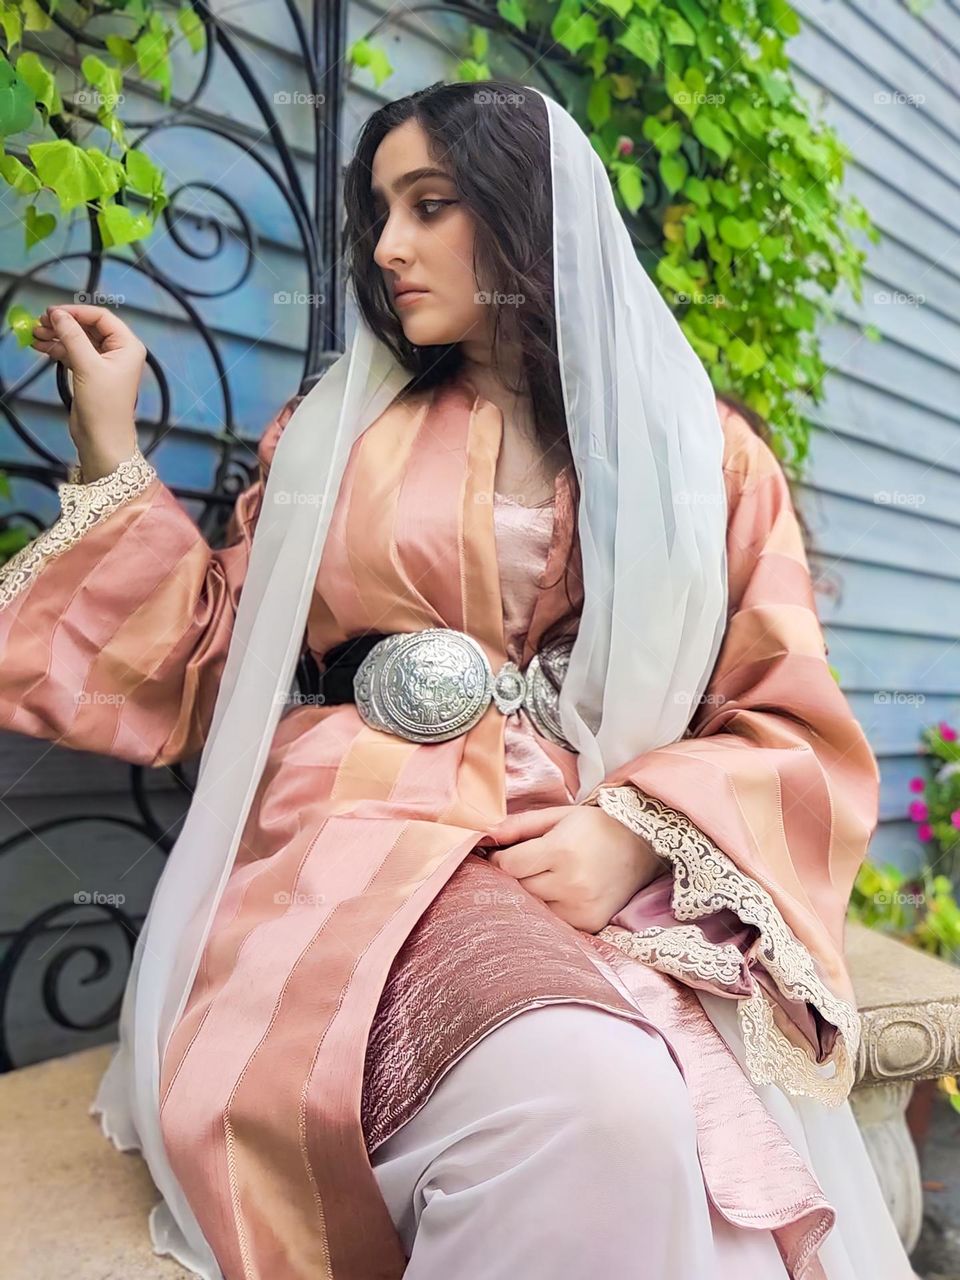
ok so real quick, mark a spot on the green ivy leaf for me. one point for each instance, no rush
(642, 39)
(38, 226)
(697, 190)
(22, 322)
(630, 185)
(107, 80)
(142, 174)
(11, 22)
(122, 50)
(113, 176)
(674, 276)
(120, 225)
(598, 103)
(365, 54)
(23, 180)
(620, 7)
(191, 26)
(572, 28)
(153, 55)
(67, 170)
(512, 11)
(676, 28)
(740, 233)
(693, 14)
(479, 43)
(784, 18)
(747, 359)
(16, 101)
(41, 82)
(34, 17)
(673, 171)
(712, 135)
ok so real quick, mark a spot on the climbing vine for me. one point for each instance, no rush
(722, 174)
(45, 134)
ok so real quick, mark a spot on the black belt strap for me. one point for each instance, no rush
(340, 666)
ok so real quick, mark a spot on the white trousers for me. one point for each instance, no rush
(560, 1147)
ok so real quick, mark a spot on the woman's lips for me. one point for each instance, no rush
(411, 296)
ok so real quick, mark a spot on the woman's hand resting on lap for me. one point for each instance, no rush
(580, 861)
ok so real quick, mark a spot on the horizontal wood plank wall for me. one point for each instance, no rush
(884, 479)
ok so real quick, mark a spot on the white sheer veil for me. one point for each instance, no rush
(647, 446)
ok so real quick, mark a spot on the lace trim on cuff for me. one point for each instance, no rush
(81, 507)
(706, 880)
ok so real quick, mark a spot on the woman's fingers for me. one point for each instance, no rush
(99, 321)
(78, 350)
(525, 858)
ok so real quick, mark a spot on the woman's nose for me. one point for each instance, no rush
(391, 253)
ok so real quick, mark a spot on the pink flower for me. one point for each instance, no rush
(925, 832)
(955, 817)
(918, 811)
(625, 145)
(917, 784)
(946, 733)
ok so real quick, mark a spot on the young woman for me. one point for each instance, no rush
(519, 952)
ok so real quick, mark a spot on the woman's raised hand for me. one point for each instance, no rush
(106, 359)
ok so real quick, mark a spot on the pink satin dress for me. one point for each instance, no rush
(481, 953)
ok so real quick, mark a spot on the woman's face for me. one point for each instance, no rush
(426, 240)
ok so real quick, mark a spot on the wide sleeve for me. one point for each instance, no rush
(115, 621)
(763, 811)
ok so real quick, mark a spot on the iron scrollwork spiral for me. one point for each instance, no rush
(203, 240)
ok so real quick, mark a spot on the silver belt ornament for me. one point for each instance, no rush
(434, 684)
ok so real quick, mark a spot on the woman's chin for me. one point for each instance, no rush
(426, 334)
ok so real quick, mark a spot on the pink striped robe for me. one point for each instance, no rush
(312, 1029)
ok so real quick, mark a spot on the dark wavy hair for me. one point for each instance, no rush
(493, 137)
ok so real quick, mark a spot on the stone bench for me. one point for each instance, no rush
(909, 1004)
(74, 1206)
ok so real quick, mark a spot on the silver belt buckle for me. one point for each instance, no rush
(435, 684)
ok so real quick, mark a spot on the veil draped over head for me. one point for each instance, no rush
(647, 446)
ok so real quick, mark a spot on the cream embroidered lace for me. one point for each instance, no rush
(82, 505)
(706, 880)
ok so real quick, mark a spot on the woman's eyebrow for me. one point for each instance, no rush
(408, 179)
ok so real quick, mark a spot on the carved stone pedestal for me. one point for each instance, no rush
(910, 1006)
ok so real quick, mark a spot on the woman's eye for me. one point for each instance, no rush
(430, 213)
